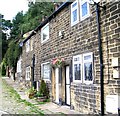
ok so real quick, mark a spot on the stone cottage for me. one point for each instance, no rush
(89, 78)
(27, 62)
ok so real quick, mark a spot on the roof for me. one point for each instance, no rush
(46, 21)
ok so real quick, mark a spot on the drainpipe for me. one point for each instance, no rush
(33, 65)
(101, 58)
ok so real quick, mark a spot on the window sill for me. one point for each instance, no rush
(45, 41)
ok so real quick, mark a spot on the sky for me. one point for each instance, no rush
(9, 8)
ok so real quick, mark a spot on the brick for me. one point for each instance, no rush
(115, 12)
(113, 8)
(117, 30)
(113, 17)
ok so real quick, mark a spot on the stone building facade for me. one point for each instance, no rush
(75, 38)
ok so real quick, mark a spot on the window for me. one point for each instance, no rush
(19, 65)
(83, 68)
(77, 68)
(31, 45)
(27, 45)
(88, 67)
(84, 9)
(45, 33)
(45, 71)
(28, 73)
(74, 13)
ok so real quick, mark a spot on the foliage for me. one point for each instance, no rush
(38, 94)
(21, 24)
(5, 25)
(16, 96)
(3, 70)
(58, 62)
(16, 31)
(12, 54)
(44, 90)
(31, 92)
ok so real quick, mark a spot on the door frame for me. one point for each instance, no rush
(65, 86)
(57, 85)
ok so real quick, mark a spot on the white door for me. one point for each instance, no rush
(57, 84)
(67, 86)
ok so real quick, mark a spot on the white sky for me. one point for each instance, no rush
(9, 8)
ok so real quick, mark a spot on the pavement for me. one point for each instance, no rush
(2, 112)
(47, 108)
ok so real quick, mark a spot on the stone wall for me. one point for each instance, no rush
(83, 38)
(26, 61)
(78, 39)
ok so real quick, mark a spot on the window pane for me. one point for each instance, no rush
(74, 15)
(77, 71)
(84, 9)
(46, 72)
(44, 36)
(88, 71)
(74, 5)
(45, 33)
(88, 57)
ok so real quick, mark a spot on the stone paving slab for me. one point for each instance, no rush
(47, 108)
(57, 109)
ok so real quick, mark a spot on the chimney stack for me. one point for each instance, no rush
(56, 5)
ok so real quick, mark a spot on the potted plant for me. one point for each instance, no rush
(58, 62)
(31, 92)
(43, 93)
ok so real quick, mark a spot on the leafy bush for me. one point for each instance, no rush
(38, 94)
(44, 90)
(3, 70)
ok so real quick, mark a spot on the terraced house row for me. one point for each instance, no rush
(87, 39)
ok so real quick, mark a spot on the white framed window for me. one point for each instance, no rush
(31, 45)
(19, 65)
(27, 45)
(84, 9)
(45, 71)
(88, 68)
(83, 68)
(28, 73)
(74, 13)
(77, 68)
(45, 33)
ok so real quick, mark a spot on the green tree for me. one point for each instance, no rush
(16, 22)
(21, 24)
(4, 26)
(12, 55)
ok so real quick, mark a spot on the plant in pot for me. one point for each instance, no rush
(43, 92)
(31, 92)
(58, 62)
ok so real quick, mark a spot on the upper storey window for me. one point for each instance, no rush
(28, 46)
(84, 9)
(45, 33)
(79, 8)
(74, 13)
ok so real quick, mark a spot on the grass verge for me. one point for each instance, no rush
(16, 97)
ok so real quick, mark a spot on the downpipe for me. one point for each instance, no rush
(101, 58)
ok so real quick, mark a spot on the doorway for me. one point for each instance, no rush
(57, 84)
(67, 85)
